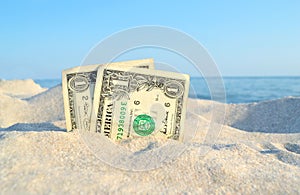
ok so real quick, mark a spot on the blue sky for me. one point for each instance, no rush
(40, 38)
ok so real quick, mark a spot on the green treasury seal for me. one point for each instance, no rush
(143, 125)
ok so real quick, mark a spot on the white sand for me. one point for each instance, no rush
(20, 88)
(44, 107)
(257, 151)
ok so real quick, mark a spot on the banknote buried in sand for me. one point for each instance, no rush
(125, 100)
(78, 85)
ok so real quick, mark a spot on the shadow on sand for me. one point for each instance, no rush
(38, 127)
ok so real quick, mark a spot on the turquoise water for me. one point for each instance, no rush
(237, 89)
(250, 89)
(48, 83)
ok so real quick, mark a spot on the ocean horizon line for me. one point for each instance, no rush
(192, 77)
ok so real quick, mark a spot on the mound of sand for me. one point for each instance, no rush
(44, 107)
(256, 151)
(20, 88)
(274, 116)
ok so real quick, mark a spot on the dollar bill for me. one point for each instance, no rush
(137, 102)
(78, 86)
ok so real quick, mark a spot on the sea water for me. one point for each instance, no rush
(236, 89)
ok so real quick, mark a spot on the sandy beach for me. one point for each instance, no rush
(256, 149)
